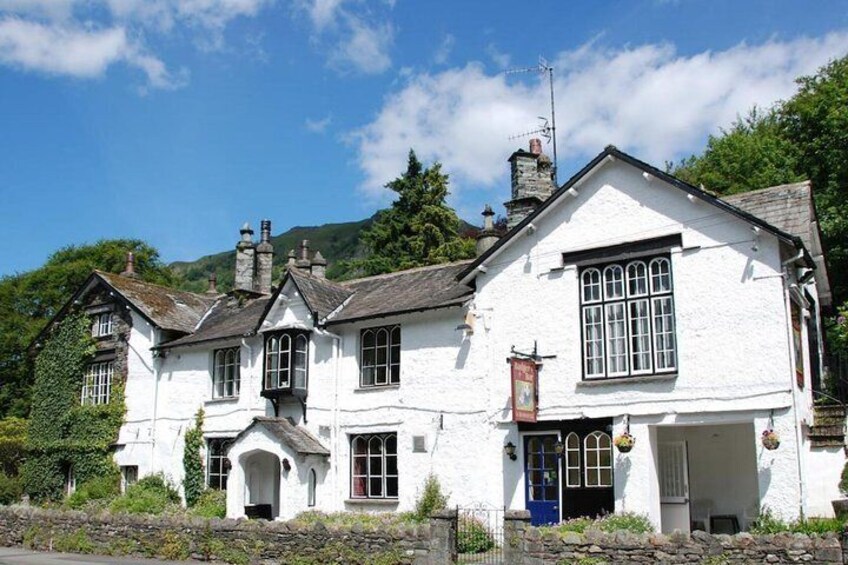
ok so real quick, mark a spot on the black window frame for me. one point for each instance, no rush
(649, 296)
(293, 336)
(393, 355)
(217, 464)
(388, 482)
(236, 381)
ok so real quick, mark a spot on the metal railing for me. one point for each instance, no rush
(480, 535)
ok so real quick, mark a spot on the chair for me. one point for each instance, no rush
(701, 511)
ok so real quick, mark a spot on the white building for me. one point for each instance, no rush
(648, 304)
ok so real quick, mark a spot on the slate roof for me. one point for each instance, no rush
(413, 290)
(321, 296)
(789, 207)
(167, 308)
(297, 438)
(228, 317)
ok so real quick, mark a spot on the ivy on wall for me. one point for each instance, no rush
(64, 434)
(193, 482)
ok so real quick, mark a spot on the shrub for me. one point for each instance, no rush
(768, 523)
(11, 489)
(192, 461)
(13, 434)
(843, 481)
(100, 490)
(429, 500)
(377, 521)
(211, 504)
(472, 536)
(151, 495)
(578, 525)
(627, 521)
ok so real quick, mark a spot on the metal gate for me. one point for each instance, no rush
(480, 535)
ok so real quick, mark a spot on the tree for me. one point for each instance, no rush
(29, 300)
(752, 154)
(419, 228)
(805, 137)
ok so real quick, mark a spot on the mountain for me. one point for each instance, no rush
(335, 242)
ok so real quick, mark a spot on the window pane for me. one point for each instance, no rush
(391, 487)
(593, 344)
(381, 376)
(640, 336)
(613, 282)
(375, 485)
(360, 466)
(660, 275)
(664, 340)
(359, 486)
(637, 279)
(591, 282)
(616, 339)
(368, 376)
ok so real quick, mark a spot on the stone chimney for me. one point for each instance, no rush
(245, 259)
(292, 259)
(264, 259)
(532, 182)
(129, 270)
(319, 265)
(213, 284)
(487, 236)
(303, 256)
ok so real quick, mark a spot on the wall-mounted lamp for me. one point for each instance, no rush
(509, 451)
(559, 448)
(286, 465)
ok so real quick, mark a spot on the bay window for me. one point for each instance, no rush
(287, 362)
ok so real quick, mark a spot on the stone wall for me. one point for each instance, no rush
(527, 545)
(231, 541)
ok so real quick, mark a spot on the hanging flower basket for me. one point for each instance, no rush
(624, 442)
(770, 439)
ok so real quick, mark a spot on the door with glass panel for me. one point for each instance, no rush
(541, 472)
(587, 477)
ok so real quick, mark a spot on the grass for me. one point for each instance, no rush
(768, 523)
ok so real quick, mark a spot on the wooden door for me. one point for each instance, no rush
(587, 478)
(541, 472)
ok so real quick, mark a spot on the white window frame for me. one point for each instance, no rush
(311, 486)
(627, 318)
(129, 476)
(217, 472)
(226, 373)
(102, 325)
(97, 384)
(569, 450)
(372, 441)
(379, 356)
(596, 469)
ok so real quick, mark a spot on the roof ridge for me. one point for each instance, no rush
(146, 283)
(300, 272)
(405, 271)
(799, 184)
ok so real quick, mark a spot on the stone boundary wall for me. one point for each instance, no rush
(230, 541)
(527, 545)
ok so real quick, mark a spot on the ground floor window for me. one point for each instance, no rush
(217, 464)
(374, 470)
(129, 476)
(311, 494)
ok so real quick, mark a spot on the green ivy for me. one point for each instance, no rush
(63, 433)
(193, 483)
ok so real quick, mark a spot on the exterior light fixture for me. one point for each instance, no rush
(509, 450)
(559, 448)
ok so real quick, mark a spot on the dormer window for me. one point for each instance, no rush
(102, 325)
(287, 362)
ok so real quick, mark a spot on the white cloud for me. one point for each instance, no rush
(647, 99)
(318, 126)
(322, 12)
(502, 60)
(364, 47)
(440, 57)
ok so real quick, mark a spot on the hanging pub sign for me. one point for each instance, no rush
(523, 390)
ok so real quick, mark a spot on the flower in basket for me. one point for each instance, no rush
(624, 442)
(770, 439)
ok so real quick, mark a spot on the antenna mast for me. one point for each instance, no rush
(547, 130)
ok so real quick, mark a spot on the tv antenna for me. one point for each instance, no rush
(546, 130)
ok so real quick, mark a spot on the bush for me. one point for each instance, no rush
(100, 490)
(843, 481)
(429, 500)
(11, 489)
(578, 525)
(377, 521)
(212, 503)
(472, 536)
(151, 495)
(627, 521)
(13, 435)
(768, 523)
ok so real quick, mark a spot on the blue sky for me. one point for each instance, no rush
(176, 121)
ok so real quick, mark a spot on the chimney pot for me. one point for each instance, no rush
(319, 265)
(264, 259)
(303, 256)
(129, 269)
(536, 146)
(265, 231)
(292, 258)
(213, 284)
(245, 260)
(487, 236)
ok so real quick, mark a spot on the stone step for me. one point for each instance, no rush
(826, 442)
(827, 431)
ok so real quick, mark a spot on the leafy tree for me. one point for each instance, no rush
(418, 229)
(13, 435)
(29, 300)
(193, 462)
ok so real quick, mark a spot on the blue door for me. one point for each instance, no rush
(541, 472)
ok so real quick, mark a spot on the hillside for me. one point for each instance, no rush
(335, 241)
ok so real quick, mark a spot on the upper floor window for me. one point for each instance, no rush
(380, 356)
(287, 361)
(226, 374)
(217, 464)
(97, 384)
(627, 314)
(374, 468)
(102, 324)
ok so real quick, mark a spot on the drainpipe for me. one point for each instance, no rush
(338, 343)
(791, 343)
(157, 362)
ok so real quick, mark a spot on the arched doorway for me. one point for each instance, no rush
(261, 484)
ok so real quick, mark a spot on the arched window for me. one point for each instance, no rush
(637, 279)
(311, 486)
(572, 460)
(301, 349)
(278, 356)
(597, 455)
(380, 356)
(374, 469)
(613, 282)
(591, 281)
